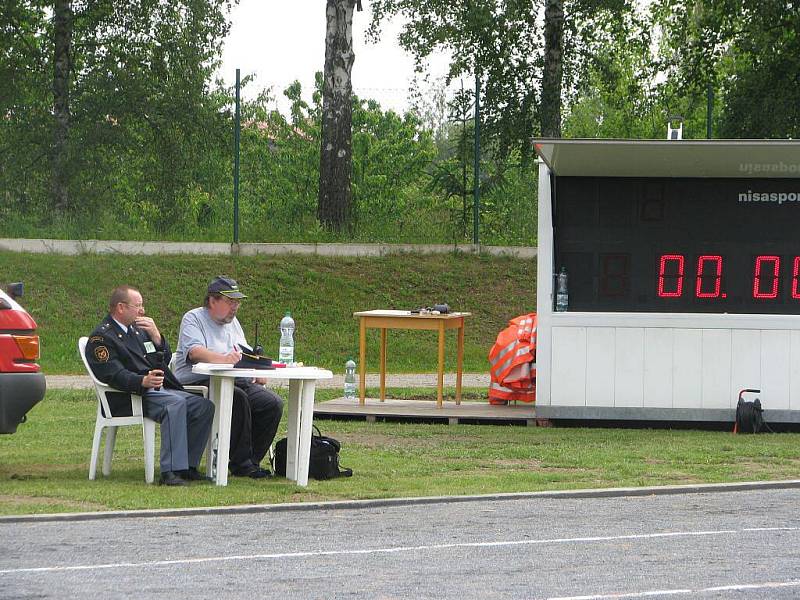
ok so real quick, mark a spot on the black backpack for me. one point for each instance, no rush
(323, 462)
(749, 417)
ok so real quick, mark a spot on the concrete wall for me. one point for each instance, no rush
(74, 247)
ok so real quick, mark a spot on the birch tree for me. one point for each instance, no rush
(336, 151)
(62, 40)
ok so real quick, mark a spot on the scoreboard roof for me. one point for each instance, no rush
(756, 159)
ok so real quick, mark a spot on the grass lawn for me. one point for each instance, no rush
(44, 466)
(68, 296)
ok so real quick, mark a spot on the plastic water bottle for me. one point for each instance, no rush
(286, 349)
(214, 452)
(562, 292)
(350, 380)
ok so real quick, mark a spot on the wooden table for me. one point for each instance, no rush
(404, 319)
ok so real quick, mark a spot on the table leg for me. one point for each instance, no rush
(306, 422)
(383, 364)
(439, 392)
(224, 441)
(362, 365)
(293, 428)
(213, 395)
(460, 362)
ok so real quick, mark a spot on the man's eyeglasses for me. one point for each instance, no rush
(136, 306)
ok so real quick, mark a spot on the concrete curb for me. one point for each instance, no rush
(362, 504)
(78, 247)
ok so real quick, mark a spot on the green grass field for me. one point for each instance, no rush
(68, 296)
(44, 466)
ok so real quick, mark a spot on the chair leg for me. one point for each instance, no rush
(111, 438)
(98, 433)
(149, 434)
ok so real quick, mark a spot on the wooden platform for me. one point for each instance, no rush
(425, 410)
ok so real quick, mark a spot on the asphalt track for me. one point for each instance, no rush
(616, 544)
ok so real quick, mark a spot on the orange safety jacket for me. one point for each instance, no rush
(512, 362)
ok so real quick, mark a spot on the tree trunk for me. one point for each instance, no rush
(334, 203)
(62, 34)
(550, 108)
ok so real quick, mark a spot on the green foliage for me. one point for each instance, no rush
(143, 123)
(503, 41)
(149, 154)
(614, 98)
(746, 51)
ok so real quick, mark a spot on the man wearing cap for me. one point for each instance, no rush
(212, 334)
(128, 352)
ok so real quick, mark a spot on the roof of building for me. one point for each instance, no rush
(755, 159)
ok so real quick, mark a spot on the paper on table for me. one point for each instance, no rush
(215, 366)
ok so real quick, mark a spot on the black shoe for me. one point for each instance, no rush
(262, 473)
(171, 478)
(251, 471)
(192, 474)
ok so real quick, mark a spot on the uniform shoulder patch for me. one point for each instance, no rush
(96, 338)
(101, 353)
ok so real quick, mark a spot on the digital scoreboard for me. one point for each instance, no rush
(679, 245)
(683, 278)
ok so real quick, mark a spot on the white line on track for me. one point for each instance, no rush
(282, 555)
(682, 592)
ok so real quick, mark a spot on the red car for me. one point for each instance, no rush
(22, 382)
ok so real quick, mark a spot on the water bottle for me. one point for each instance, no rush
(562, 293)
(350, 380)
(214, 451)
(286, 349)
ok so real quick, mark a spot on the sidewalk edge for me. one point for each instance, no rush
(413, 501)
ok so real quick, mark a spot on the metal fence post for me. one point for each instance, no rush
(236, 133)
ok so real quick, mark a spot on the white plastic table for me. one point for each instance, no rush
(302, 386)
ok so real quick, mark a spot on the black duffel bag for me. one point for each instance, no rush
(323, 462)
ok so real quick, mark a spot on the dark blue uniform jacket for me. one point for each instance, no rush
(122, 360)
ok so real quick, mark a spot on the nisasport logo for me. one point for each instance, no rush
(778, 198)
(778, 167)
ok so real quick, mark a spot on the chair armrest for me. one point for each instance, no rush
(197, 389)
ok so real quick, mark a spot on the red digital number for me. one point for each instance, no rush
(715, 263)
(762, 275)
(674, 263)
(795, 273)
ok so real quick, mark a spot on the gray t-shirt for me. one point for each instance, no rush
(199, 329)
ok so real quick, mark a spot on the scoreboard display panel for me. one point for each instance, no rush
(678, 244)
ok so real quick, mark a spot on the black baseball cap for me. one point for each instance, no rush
(225, 286)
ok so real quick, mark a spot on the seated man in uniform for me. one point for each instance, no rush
(212, 334)
(128, 352)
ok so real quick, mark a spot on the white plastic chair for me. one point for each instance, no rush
(105, 419)
(195, 389)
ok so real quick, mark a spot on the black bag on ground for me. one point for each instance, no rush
(323, 461)
(749, 417)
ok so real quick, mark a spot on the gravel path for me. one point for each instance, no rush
(475, 380)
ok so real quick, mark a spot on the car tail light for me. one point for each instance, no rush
(28, 345)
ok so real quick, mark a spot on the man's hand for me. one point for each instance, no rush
(198, 354)
(153, 379)
(147, 324)
(232, 357)
(260, 380)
